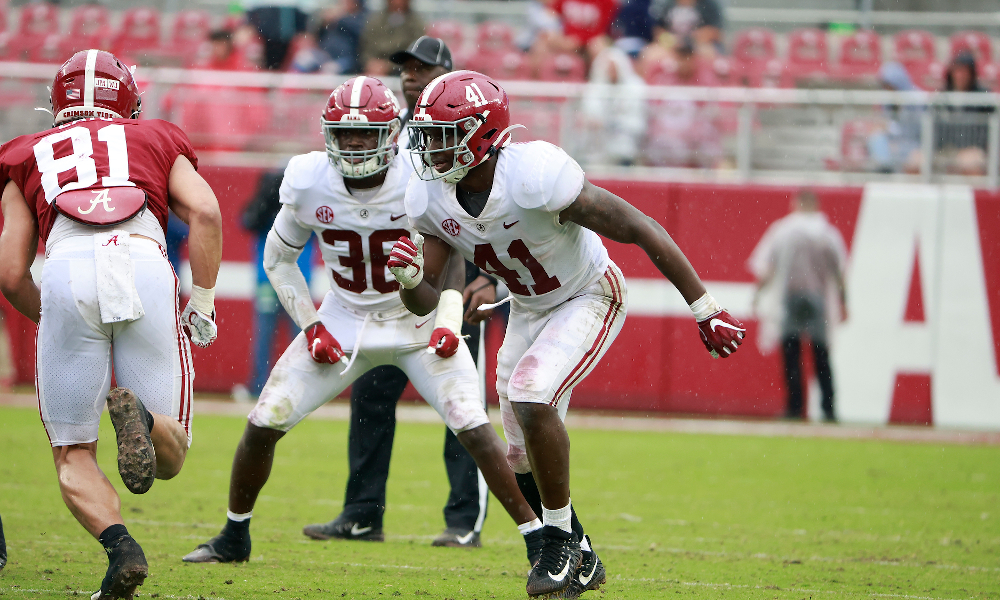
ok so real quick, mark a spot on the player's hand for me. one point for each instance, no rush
(199, 327)
(480, 291)
(406, 261)
(323, 347)
(722, 334)
(443, 342)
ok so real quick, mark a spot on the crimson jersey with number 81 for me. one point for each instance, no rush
(94, 154)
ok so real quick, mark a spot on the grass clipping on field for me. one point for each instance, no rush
(670, 514)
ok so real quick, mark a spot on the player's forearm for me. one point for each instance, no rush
(282, 269)
(420, 300)
(23, 295)
(205, 246)
(669, 259)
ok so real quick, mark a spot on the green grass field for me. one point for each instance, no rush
(672, 515)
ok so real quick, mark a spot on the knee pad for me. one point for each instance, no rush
(517, 458)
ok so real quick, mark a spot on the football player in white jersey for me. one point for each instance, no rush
(351, 197)
(526, 214)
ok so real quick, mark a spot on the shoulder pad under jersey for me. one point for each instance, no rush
(304, 170)
(540, 175)
(415, 200)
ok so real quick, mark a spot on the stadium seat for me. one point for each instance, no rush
(808, 54)
(139, 34)
(563, 67)
(541, 120)
(188, 34)
(927, 76)
(976, 42)
(724, 70)
(860, 56)
(914, 47)
(505, 65)
(89, 28)
(989, 73)
(37, 22)
(753, 46)
(772, 74)
(494, 36)
(222, 120)
(53, 49)
(452, 32)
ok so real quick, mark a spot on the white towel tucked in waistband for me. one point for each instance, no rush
(116, 293)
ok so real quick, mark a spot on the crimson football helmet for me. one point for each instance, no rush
(361, 103)
(94, 83)
(464, 112)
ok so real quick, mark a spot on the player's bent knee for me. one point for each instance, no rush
(517, 458)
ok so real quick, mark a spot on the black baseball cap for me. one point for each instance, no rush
(428, 50)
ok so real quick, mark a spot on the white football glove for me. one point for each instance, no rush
(198, 318)
(406, 261)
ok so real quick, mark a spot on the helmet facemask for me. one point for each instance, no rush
(463, 159)
(357, 164)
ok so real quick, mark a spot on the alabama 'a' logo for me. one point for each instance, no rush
(451, 226)
(324, 214)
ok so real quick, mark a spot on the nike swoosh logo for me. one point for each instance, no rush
(355, 530)
(421, 325)
(561, 575)
(464, 539)
(506, 226)
(585, 579)
(396, 217)
(719, 322)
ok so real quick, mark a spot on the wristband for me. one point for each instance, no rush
(202, 300)
(449, 311)
(704, 307)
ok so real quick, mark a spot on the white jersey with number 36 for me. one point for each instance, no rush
(355, 236)
(518, 238)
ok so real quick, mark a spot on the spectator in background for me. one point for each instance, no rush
(222, 54)
(309, 57)
(387, 32)
(257, 217)
(540, 23)
(799, 266)
(340, 34)
(614, 109)
(895, 147)
(962, 131)
(278, 22)
(701, 20)
(632, 28)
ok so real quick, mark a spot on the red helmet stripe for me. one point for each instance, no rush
(88, 82)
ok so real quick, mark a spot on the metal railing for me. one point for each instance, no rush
(691, 133)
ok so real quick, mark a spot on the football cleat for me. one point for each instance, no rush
(136, 457)
(223, 548)
(344, 528)
(534, 542)
(589, 577)
(453, 537)
(127, 569)
(3, 548)
(559, 561)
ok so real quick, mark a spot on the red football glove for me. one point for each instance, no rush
(322, 346)
(721, 333)
(443, 342)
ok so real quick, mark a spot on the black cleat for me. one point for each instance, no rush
(127, 569)
(534, 542)
(453, 537)
(136, 458)
(589, 577)
(226, 547)
(558, 564)
(344, 528)
(3, 548)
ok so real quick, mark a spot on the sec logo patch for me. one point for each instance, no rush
(451, 226)
(324, 214)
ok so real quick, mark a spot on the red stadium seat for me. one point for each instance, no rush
(505, 66)
(989, 74)
(53, 49)
(139, 33)
(494, 36)
(976, 42)
(808, 54)
(223, 120)
(914, 46)
(452, 32)
(37, 22)
(772, 74)
(563, 67)
(189, 33)
(927, 76)
(753, 46)
(541, 120)
(724, 70)
(860, 55)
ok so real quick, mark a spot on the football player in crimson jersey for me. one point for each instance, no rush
(95, 189)
(351, 197)
(526, 214)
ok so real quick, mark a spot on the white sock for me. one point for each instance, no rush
(526, 528)
(558, 518)
(238, 518)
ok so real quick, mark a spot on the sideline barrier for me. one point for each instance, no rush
(921, 344)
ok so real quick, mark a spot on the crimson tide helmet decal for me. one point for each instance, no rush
(94, 83)
(361, 105)
(463, 112)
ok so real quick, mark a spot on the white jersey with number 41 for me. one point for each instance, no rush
(518, 238)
